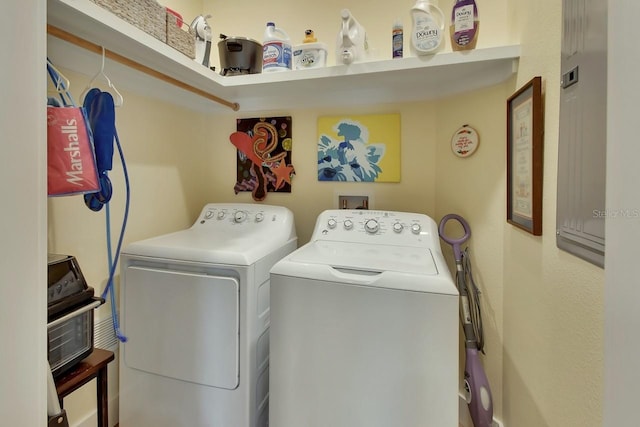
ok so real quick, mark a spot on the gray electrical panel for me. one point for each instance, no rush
(581, 212)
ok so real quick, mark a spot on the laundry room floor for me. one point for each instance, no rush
(117, 425)
(460, 425)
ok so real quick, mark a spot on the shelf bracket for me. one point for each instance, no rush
(92, 47)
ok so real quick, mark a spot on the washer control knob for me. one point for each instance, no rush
(332, 223)
(209, 215)
(348, 224)
(415, 228)
(259, 217)
(397, 227)
(239, 216)
(221, 215)
(371, 226)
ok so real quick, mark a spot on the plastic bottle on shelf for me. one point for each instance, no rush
(428, 27)
(352, 44)
(310, 54)
(397, 39)
(276, 49)
(464, 25)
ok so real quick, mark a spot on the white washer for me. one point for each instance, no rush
(195, 310)
(364, 326)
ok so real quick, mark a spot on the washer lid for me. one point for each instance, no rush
(383, 266)
(374, 258)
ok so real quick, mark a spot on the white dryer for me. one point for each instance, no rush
(364, 326)
(195, 309)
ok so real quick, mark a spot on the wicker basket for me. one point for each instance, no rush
(148, 15)
(179, 39)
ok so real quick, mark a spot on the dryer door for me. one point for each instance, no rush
(182, 325)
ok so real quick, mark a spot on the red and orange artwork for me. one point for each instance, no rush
(264, 156)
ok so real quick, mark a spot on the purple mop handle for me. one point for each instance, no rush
(481, 400)
(455, 243)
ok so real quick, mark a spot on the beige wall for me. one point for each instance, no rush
(542, 307)
(474, 188)
(553, 303)
(188, 9)
(310, 197)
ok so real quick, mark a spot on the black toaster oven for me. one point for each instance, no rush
(70, 305)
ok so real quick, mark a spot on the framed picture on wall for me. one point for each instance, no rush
(524, 157)
(359, 148)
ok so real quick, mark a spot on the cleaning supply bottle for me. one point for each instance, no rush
(464, 25)
(428, 27)
(397, 39)
(310, 54)
(351, 44)
(276, 49)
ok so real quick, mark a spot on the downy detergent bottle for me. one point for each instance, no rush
(428, 27)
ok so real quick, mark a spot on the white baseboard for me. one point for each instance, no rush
(91, 420)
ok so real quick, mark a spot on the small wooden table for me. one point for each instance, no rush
(92, 366)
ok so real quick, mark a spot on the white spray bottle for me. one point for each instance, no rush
(428, 27)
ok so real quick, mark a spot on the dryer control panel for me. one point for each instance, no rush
(233, 234)
(237, 214)
(377, 227)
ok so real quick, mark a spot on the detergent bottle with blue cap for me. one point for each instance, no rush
(276, 49)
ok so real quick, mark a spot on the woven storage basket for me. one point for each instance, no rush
(147, 15)
(177, 38)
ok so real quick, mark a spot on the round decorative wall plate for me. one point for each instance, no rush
(465, 141)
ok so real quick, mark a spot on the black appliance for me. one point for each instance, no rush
(70, 305)
(239, 55)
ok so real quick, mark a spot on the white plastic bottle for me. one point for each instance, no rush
(352, 44)
(428, 27)
(276, 49)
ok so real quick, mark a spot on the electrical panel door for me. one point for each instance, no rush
(581, 210)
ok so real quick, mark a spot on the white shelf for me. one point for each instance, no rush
(387, 81)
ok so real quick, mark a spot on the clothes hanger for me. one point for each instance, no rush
(62, 83)
(119, 100)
